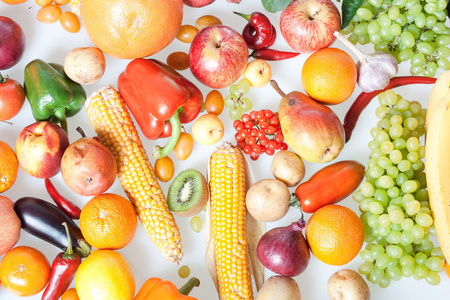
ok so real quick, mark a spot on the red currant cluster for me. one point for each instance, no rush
(259, 132)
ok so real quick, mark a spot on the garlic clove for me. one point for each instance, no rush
(375, 72)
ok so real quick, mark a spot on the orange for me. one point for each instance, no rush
(335, 234)
(70, 294)
(329, 76)
(24, 271)
(9, 166)
(105, 275)
(108, 221)
(129, 29)
(12, 2)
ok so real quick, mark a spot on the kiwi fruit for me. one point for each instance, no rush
(188, 193)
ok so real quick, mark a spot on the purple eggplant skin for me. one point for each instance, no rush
(44, 220)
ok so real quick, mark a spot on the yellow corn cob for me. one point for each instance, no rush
(228, 220)
(75, 6)
(112, 122)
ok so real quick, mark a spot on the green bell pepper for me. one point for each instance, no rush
(53, 96)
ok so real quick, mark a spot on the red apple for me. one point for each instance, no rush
(88, 167)
(197, 3)
(218, 56)
(40, 147)
(309, 25)
(12, 43)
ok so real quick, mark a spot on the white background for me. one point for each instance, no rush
(51, 43)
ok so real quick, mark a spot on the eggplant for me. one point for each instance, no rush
(44, 220)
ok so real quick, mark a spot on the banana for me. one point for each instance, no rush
(438, 92)
(437, 163)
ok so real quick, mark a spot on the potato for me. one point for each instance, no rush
(288, 167)
(85, 65)
(268, 200)
(347, 284)
(9, 225)
(279, 288)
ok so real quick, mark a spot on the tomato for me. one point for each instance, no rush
(62, 2)
(42, 3)
(70, 22)
(178, 60)
(329, 185)
(207, 20)
(186, 33)
(49, 13)
(214, 102)
(184, 146)
(12, 97)
(164, 168)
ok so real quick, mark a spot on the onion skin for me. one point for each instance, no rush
(284, 250)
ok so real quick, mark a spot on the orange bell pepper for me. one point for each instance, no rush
(156, 288)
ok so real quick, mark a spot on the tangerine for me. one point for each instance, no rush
(9, 166)
(108, 221)
(329, 76)
(24, 271)
(128, 29)
(335, 234)
(105, 275)
(13, 2)
(70, 294)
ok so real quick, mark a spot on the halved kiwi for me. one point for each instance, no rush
(188, 193)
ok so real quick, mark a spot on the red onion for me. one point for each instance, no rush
(284, 250)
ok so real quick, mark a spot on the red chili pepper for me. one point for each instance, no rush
(259, 32)
(62, 272)
(355, 110)
(63, 203)
(271, 54)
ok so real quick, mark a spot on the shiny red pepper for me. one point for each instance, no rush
(62, 272)
(160, 99)
(259, 32)
(270, 54)
(355, 110)
(63, 203)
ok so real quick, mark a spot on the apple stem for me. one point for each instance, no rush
(361, 56)
(81, 131)
(275, 85)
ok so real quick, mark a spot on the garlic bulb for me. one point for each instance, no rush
(375, 70)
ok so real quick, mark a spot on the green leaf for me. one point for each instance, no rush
(349, 8)
(274, 6)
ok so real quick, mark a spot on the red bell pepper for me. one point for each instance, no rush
(160, 99)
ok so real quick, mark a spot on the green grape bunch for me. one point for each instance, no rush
(393, 199)
(410, 30)
(236, 102)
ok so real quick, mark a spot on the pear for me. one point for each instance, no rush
(311, 129)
